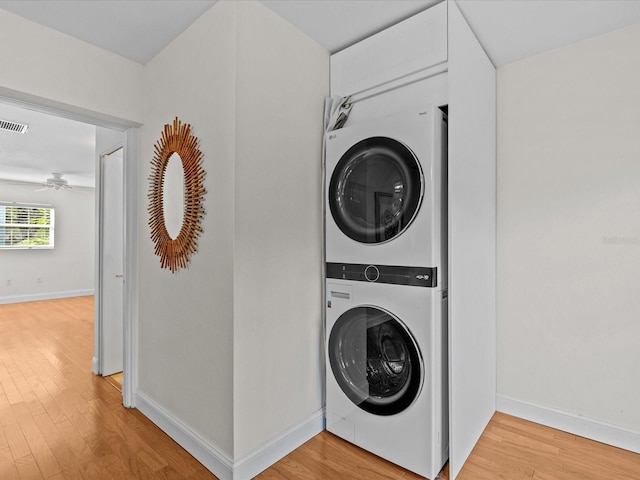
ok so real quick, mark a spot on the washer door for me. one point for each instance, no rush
(375, 360)
(375, 190)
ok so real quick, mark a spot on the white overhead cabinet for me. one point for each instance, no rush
(434, 58)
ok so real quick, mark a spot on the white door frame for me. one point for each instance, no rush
(130, 129)
(130, 333)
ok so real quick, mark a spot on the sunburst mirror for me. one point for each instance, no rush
(176, 144)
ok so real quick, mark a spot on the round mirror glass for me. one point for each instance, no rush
(173, 195)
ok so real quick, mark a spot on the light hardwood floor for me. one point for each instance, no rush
(59, 421)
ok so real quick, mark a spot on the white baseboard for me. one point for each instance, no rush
(270, 452)
(217, 462)
(212, 458)
(45, 296)
(570, 422)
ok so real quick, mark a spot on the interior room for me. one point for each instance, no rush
(28, 162)
(225, 350)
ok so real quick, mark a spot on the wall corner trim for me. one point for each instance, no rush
(262, 457)
(217, 462)
(570, 422)
(212, 458)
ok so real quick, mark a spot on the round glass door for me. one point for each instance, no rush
(375, 190)
(375, 360)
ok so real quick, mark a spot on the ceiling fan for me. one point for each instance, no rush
(56, 182)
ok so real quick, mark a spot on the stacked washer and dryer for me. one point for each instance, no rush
(386, 287)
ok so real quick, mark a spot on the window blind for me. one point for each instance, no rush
(26, 226)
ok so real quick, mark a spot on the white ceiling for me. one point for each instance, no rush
(138, 29)
(511, 30)
(337, 24)
(52, 144)
(508, 29)
(134, 29)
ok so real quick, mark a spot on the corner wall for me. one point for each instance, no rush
(230, 349)
(185, 327)
(569, 232)
(282, 79)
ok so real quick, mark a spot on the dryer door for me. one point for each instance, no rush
(376, 190)
(375, 360)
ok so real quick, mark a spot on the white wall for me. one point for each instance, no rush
(569, 229)
(43, 65)
(231, 354)
(472, 240)
(186, 319)
(66, 270)
(282, 78)
(53, 70)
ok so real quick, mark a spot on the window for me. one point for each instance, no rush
(26, 225)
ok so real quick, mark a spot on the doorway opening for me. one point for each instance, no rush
(108, 140)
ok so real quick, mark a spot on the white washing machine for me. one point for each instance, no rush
(386, 364)
(386, 190)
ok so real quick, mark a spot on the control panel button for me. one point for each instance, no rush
(372, 273)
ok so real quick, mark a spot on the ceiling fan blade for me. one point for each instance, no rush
(18, 182)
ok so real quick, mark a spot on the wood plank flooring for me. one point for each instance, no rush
(59, 421)
(327, 457)
(515, 449)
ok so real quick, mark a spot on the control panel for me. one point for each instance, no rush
(396, 275)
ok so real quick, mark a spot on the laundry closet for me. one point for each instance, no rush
(410, 242)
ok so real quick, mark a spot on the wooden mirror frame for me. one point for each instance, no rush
(176, 138)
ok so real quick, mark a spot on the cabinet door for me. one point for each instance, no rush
(472, 239)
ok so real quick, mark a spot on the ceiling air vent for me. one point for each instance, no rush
(13, 126)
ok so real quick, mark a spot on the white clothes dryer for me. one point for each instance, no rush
(386, 365)
(385, 194)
